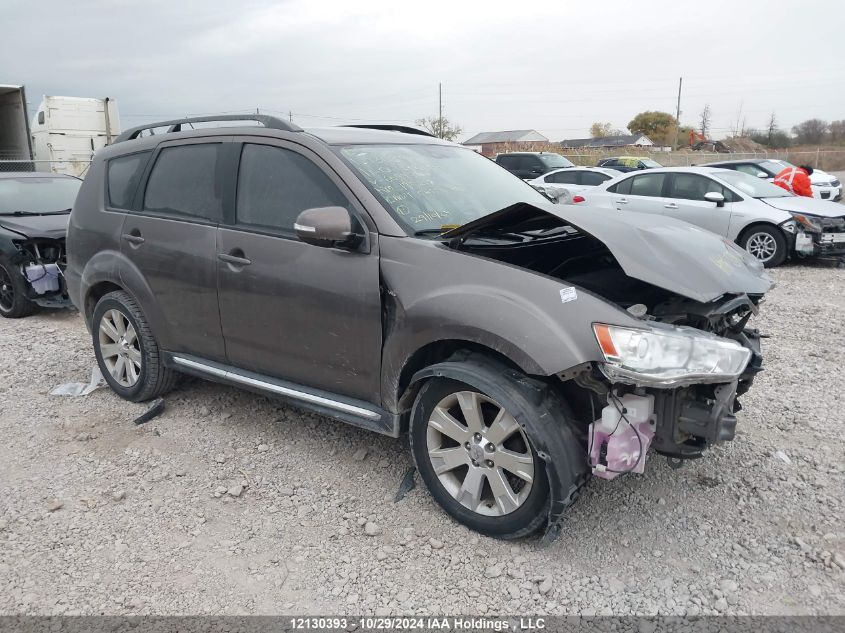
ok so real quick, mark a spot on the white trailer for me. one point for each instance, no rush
(15, 143)
(68, 130)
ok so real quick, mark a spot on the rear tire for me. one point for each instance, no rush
(766, 243)
(126, 350)
(14, 302)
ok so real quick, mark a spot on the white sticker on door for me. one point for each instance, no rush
(567, 295)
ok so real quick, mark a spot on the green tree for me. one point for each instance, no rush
(658, 126)
(441, 127)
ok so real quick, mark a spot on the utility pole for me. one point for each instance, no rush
(678, 114)
(290, 116)
(440, 110)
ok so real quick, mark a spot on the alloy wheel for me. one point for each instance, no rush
(480, 453)
(762, 246)
(120, 348)
(7, 291)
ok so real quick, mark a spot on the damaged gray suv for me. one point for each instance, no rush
(399, 282)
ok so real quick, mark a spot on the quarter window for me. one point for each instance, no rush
(563, 178)
(184, 181)
(647, 185)
(592, 178)
(275, 185)
(124, 173)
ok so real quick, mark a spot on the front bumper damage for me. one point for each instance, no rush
(42, 263)
(679, 423)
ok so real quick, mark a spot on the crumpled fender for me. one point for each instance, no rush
(553, 435)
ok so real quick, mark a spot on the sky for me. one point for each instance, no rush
(553, 67)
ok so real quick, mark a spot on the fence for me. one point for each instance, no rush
(70, 167)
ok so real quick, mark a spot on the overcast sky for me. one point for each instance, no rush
(552, 66)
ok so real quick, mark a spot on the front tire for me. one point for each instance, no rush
(126, 350)
(14, 302)
(477, 461)
(766, 243)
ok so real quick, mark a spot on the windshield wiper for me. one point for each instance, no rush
(20, 213)
(430, 231)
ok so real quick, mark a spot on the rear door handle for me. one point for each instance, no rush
(622, 201)
(671, 205)
(133, 238)
(234, 259)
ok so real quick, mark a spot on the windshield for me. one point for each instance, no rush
(774, 167)
(428, 187)
(37, 195)
(555, 161)
(751, 185)
(651, 163)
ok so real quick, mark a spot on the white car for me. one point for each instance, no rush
(769, 222)
(824, 185)
(566, 185)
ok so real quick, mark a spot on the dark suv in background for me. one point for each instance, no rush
(398, 282)
(529, 165)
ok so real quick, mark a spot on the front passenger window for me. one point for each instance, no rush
(648, 185)
(275, 185)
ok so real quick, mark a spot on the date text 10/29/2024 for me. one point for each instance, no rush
(421, 623)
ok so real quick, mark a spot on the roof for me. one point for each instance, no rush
(737, 161)
(510, 136)
(620, 140)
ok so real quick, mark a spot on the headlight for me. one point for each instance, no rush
(668, 358)
(808, 222)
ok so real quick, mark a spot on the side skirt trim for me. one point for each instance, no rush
(375, 420)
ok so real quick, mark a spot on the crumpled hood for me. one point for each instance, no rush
(664, 252)
(32, 226)
(810, 206)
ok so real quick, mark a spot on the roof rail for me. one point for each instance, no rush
(406, 129)
(175, 125)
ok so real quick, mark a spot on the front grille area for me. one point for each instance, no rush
(833, 225)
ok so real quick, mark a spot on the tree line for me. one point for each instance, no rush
(663, 129)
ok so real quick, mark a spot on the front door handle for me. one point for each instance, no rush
(234, 260)
(622, 201)
(670, 205)
(133, 238)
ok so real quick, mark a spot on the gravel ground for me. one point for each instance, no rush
(231, 503)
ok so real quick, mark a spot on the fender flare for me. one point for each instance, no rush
(555, 437)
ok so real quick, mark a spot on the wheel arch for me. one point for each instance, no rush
(756, 224)
(552, 433)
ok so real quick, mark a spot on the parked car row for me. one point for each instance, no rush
(390, 280)
(734, 199)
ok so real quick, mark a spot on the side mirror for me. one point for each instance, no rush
(762, 174)
(715, 196)
(325, 226)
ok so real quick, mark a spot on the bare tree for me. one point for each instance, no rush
(705, 120)
(441, 127)
(771, 129)
(810, 132)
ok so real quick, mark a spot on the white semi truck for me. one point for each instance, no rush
(68, 130)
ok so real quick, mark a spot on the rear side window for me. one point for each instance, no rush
(508, 162)
(647, 185)
(184, 181)
(124, 173)
(563, 177)
(275, 185)
(623, 187)
(593, 178)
